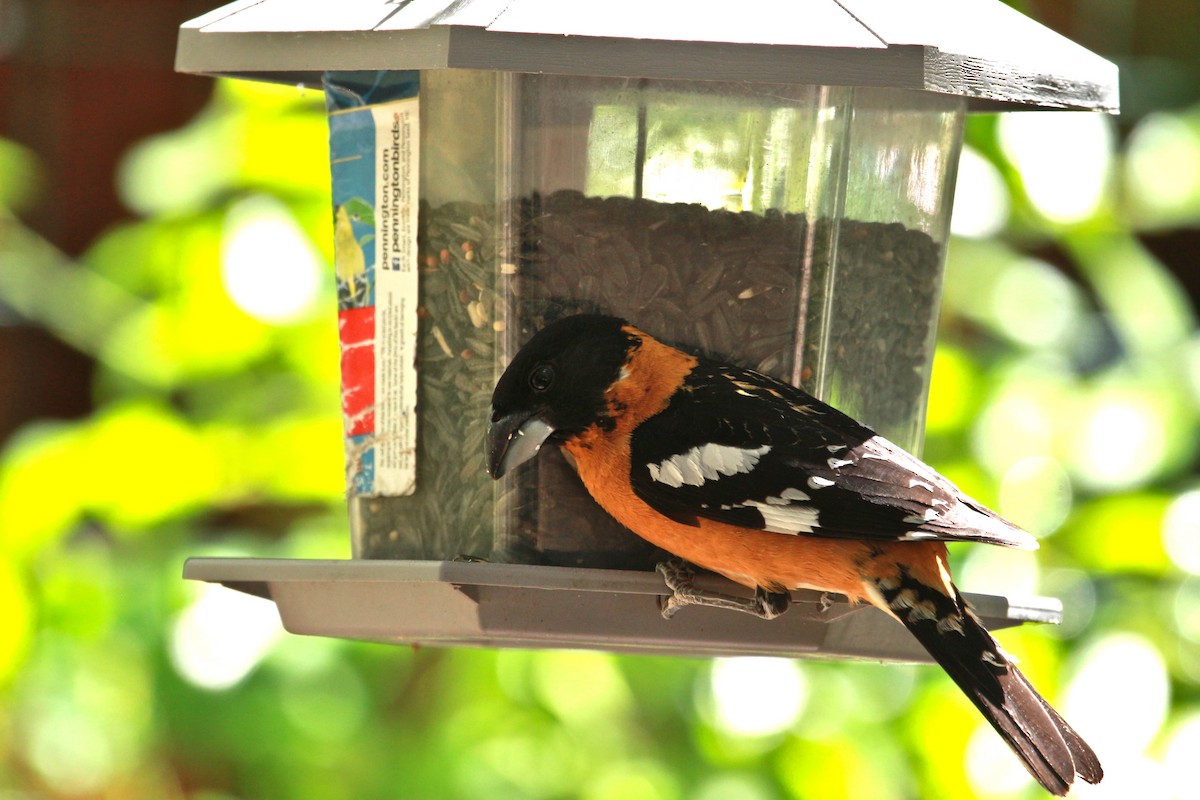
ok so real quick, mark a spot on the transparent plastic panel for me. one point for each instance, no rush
(749, 223)
(709, 215)
(451, 510)
(903, 150)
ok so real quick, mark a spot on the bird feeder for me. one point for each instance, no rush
(768, 183)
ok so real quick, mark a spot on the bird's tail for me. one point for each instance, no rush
(1048, 747)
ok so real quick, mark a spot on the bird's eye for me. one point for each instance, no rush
(542, 377)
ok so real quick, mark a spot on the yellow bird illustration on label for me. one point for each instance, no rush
(347, 254)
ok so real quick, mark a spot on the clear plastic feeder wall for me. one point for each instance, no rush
(797, 230)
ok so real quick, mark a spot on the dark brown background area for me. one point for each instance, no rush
(80, 82)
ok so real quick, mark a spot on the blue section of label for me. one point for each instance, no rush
(364, 476)
(352, 156)
(374, 146)
(349, 97)
(345, 90)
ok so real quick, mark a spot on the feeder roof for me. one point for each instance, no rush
(981, 50)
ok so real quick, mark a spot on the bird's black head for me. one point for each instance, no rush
(555, 386)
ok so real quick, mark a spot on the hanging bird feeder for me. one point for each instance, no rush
(770, 185)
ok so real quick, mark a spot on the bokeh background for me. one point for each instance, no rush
(157, 403)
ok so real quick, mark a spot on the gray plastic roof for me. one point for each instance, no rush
(978, 49)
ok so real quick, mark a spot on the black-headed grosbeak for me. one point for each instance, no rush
(744, 475)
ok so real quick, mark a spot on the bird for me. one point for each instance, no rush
(738, 473)
(348, 254)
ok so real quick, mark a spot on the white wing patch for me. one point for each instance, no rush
(786, 518)
(707, 462)
(920, 519)
(787, 497)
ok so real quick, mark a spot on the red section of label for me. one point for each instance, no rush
(356, 330)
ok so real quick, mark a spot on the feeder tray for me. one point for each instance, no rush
(447, 603)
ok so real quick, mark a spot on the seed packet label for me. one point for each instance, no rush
(374, 141)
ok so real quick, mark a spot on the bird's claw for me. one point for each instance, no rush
(826, 601)
(679, 577)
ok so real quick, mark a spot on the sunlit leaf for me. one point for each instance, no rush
(756, 697)
(1162, 170)
(1146, 301)
(77, 305)
(635, 779)
(1119, 534)
(137, 256)
(71, 694)
(939, 713)
(289, 152)
(1064, 161)
(295, 459)
(843, 768)
(973, 479)
(981, 200)
(17, 631)
(140, 464)
(954, 391)
(138, 347)
(78, 594)
(264, 99)
(1036, 493)
(1120, 724)
(267, 268)
(1129, 427)
(180, 171)
(20, 176)
(1030, 401)
(972, 270)
(556, 679)
(38, 501)
(328, 705)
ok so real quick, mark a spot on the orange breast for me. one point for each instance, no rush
(750, 557)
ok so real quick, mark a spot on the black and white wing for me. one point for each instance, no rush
(739, 447)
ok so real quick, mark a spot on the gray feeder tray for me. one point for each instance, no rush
(981, 50)
(443, 603)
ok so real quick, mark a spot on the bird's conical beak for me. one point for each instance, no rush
(514, 439)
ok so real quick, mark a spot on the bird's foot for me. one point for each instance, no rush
(679, 577)
(826, 601)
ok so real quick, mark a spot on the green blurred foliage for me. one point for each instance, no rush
(1066, 397)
